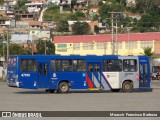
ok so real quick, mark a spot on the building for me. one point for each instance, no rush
(11, 2)
(34, 24)
(39, 1)
(7, 22)
(130, 3)
(34, 7)
(128, 44)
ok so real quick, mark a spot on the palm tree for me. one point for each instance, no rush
(148, 52)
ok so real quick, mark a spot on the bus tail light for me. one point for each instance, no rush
(137, 76)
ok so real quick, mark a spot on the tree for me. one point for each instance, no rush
(15, 49)
(148, 52)
(63, 26)
(78, 15)
(147, 5)
(50, 48)
(81, 28)
(1, 2)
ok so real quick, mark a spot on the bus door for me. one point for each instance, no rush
(94, 75)
(144, 75)
(43, 80)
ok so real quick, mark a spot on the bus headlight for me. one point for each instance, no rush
(17, 84)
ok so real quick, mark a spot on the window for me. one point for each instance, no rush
(112, 65)
(119, 45)
(28, 65)
(62, 47)
(101, 45)
(76, 46)
(131, 45)
(66, 65)
(88, 46)
(79, 65)
(129, 65)
(146, 44)
(53, 63)
(58, 66)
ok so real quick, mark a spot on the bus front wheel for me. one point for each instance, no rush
(127, 86)
(63, 87)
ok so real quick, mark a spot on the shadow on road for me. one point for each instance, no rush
(79, 91)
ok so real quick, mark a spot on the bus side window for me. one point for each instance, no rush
(52, 65)
(90, 68)
(129, 65)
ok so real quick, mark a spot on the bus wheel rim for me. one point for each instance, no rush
(127, 86)
(64, 87)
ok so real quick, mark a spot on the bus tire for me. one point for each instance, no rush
(115, 90)
(63, 87)
(127, 87)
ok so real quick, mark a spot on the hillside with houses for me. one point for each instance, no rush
(31, 23)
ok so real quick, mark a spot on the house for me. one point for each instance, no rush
(81, 5)
(27, 16)
(11, 2)
(92, 25)
(80, 8)
(21, 38)
(34, 24)
(39, 1)
(50, 25)
(7, 21)
(34, 7)
(57, 2)
(93, 11)
(45, 34)
(101, 44)
(130, 3)
(6, 10)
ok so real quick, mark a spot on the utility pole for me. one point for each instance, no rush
(116, 37)
(7, 43)
(112, 43)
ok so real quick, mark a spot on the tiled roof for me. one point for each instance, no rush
(34, 23)
(108, 37)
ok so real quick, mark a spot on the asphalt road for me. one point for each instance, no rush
(16, 99)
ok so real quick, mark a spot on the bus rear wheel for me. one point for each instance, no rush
(63, 87)
(127, 87)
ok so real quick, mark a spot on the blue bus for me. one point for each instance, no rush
(90, 72)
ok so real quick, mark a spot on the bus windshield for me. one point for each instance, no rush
(12, 61)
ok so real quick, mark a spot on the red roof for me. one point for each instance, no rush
(107, 37)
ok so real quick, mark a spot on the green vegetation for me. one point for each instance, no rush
(148, 52)
(50, 48)
(21, 5)
(63, 26)
(53, 13)
(1, 2)
(81, 28)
